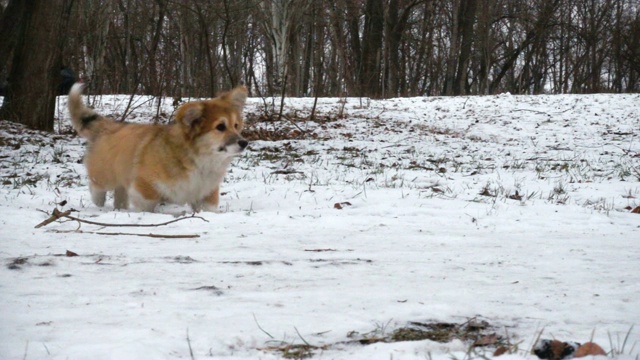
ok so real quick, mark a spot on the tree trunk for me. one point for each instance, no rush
(277, 24)
(9, 31)
(398, 14)
(35, 71)
(372, 48)
(454, 49)
(467, 19)
(484, 45)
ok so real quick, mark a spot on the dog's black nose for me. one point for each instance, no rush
(243, 143)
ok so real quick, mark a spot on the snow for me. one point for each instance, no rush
(430, 229)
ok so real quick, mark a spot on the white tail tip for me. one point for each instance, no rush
(76, 88)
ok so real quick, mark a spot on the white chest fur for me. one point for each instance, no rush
(206, 175)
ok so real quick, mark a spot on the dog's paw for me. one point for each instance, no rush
(206, 208)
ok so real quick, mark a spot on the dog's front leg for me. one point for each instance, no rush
(142, 204)
(143, 196)
(120, 198)
(98, 195)
(209, 203)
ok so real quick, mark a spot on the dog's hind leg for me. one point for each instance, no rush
(98, 195)
(120, 198)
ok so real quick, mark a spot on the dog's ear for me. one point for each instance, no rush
(237, 97)
(189, 112)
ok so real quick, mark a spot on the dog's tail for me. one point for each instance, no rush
(83, 118)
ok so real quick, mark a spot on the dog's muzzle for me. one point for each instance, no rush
(242, 144)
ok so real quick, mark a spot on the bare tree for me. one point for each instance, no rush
(280, 21)
(376, 48)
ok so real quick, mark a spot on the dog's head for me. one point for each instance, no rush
(214, 125)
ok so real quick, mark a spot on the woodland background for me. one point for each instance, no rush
(367, 48)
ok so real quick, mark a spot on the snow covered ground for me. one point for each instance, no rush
(336, 234)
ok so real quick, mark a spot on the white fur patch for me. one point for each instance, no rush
(208, 174)
(139, 202)
(76, 89)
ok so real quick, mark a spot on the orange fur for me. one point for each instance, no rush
(184, 162)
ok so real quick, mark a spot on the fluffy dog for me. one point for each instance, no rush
(181, 163)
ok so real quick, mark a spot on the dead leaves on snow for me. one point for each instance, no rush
(558, 350)
(20, 262)
(477, 333)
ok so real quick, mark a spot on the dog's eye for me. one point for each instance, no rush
(221, 127)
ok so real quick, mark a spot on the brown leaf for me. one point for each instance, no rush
(341, 205)
(486, 192)
(501, 351)
(554, 349)
(558, 348)
(588, 349)
(516, 196)
(70, 254)
(636, 210)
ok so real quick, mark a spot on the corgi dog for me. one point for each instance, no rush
(181, 163)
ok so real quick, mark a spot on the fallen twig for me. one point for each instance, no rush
(534, 111)
(294, 124)
(57, 214)
(286, 172)
(54, 216)
(161, 236)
